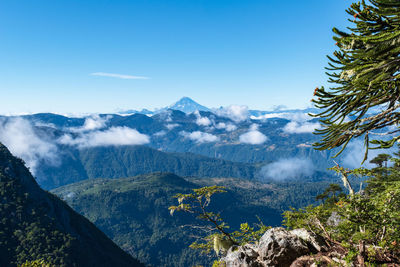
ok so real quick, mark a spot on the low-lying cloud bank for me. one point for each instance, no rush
(171, 126)
(200, 137)
(294, 127)
(354, 153)
(236, 113)
(292, 116)
(202, 121)
(288, 168)
(229, 127)
(253, 136)
(19, 137)
(24, 140)
(299, 122)
(91, 123)
(113, 136)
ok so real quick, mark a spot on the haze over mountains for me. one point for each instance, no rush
(227, 142)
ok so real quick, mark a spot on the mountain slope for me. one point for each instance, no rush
(134, 160)
(37, 225)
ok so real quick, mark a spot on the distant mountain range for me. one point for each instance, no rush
(188, 105)
(185, 104)
(228, 142)
(225, 142)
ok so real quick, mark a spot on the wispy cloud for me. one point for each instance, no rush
(234, 112)
(202, 121)
(20, 137)
(114, 136)
(228, 126)
(299, 128)
(253, 136)
(297, 116)
(94, 122)
(119, 76)
(200, 137)
(288, 168)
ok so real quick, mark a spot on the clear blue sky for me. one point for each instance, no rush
(259, 53)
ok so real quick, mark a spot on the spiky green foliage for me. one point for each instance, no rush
(36, 263)
(366, 224)
(365, 73)
(217, 229)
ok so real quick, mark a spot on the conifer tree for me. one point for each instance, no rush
(365, 71)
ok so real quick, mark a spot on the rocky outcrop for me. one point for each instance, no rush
(277, 247)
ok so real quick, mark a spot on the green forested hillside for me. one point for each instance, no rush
(128, 161)
(35, 225)
(135, 160)
(134, 211)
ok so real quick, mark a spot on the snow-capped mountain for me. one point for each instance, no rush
(187, 105)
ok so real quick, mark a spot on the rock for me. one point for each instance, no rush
(315, 242)
(334, 219)
(243, 256)
(313, 261)
(278, 247)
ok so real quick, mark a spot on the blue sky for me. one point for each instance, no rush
(260, 53)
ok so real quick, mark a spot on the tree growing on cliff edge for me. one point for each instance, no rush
(365, 71)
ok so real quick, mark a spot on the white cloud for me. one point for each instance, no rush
(298, 127)
(171, 126)
(202, 121)
(94, 122)
(19, 136)
(200, 137)
(166, 116)
(41, 124)
(253, 136)
(354, 154)
(227, 126)
(113, 136)
(297, 116)
(254, 127)
(160, 133)
(236, 113)
(119, 76)
(289, 168)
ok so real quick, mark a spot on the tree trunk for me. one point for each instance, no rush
(361, 255)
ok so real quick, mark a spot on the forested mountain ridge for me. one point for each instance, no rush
(128, 161)
(37, 225)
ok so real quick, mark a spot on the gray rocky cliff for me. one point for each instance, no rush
(277, 247)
